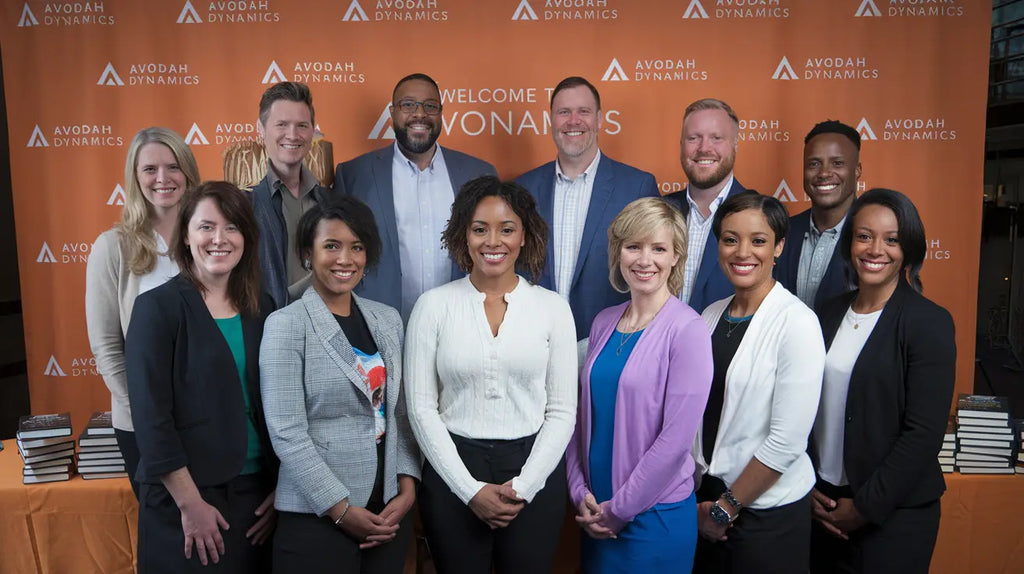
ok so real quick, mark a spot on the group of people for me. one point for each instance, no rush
(293, 369)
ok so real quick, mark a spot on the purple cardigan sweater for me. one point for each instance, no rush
(659, 405)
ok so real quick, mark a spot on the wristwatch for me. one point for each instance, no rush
(720, 515)
(731, 499)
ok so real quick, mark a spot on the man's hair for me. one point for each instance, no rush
(834, 127)
(575, 82)
(417, 76)
(290, 91)
(711, 104)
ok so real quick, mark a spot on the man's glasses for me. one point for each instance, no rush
(429, 108)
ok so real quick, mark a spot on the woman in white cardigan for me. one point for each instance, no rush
(754, 499)
(132, 258)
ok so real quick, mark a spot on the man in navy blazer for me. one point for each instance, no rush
(707, 152)
(578, 195)
(410, 187)
(810, 265)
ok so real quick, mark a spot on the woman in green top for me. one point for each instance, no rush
(207, 471)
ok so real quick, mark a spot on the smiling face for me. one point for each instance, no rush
(287, 133)
(575, 122)
(708, 147)
(831, 171)
(747, 250)
(417, 131)
(494, 237)
(216, 244)
(338, 259)
(875, 250)
(646, 263)
(159, 176)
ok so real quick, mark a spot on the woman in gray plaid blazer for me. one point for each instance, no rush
(331, 368)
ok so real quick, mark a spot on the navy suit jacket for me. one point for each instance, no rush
(838, 278)
(711, 283)
(368, 177)
(615, 185)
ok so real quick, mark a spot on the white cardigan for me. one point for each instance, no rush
(771, 397)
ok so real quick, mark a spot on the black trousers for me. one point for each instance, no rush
(903, 544)
(130, 453)
(770, 541)
(162, 543)
(461, 543)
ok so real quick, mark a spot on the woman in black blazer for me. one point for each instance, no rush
(207, 469)
(889, 376)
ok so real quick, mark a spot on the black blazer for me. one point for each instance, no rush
(183, 386)
(839, 277)
(898, 402)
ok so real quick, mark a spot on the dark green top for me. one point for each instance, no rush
(231, 328)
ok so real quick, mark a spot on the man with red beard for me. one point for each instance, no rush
(578, 195)
(410, 187)
(810, 265)
(707, 152)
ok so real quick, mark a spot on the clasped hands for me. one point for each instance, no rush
(496, 504)
(368, 528)
(838, 517)
(591, 517)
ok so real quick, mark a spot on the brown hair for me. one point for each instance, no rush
(244, 282)
(535, 230)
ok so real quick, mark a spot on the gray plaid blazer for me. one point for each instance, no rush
(320, 421)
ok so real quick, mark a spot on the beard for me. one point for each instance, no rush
(716, 177)
(416, 146)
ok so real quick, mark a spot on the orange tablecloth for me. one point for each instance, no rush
(90, 525)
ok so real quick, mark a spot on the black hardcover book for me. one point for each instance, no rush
(983, 406)
(44, 426)
(99, 424)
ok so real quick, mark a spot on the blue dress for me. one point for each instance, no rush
(660, 539)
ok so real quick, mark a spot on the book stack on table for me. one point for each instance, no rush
(987, 444)
(1019, 429)
(98, 455)
(46, 447)
(947, 456)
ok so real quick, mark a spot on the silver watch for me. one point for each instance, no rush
(720, 515)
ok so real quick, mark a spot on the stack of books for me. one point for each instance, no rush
(46, 447)
(98, 455)
(1019, 424)
(947, 456)
(985, 435)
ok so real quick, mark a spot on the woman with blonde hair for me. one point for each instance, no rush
(132, 258)
(644, 385)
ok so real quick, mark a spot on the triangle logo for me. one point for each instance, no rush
(195, 136)
(109, 77)
(355, 13)
(117, 196)
(784, 71)
(46, 255)
(865, 131)
(383, 129)
(695, 11)
(614, 73)
(53, 368)
(28, 19)
(274, 74)
(37, 139)
(783, 193)
(189, 15)
(867, 9)
(524, 12)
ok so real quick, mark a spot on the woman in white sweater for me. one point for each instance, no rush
(132, 258)
(490, 366)
(754, 497)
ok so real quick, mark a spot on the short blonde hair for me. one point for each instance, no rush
(639, 220)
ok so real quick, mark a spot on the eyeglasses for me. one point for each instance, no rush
(429, 108)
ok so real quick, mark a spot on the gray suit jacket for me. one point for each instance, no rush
(321, 423)
(368, 177)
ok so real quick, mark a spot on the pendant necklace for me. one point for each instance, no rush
(625, 337)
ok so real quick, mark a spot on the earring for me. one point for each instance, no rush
(306, 264)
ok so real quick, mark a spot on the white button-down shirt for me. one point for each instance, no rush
(698, 228)
(571, 203)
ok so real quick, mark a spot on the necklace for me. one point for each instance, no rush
(625, 337)
(734, 322)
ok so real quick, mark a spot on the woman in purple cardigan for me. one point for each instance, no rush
(645, 382)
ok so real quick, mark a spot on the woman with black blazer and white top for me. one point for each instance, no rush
(889, 377)
(751, 450)
(207, 470)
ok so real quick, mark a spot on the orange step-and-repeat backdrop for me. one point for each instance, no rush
(81, 78)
